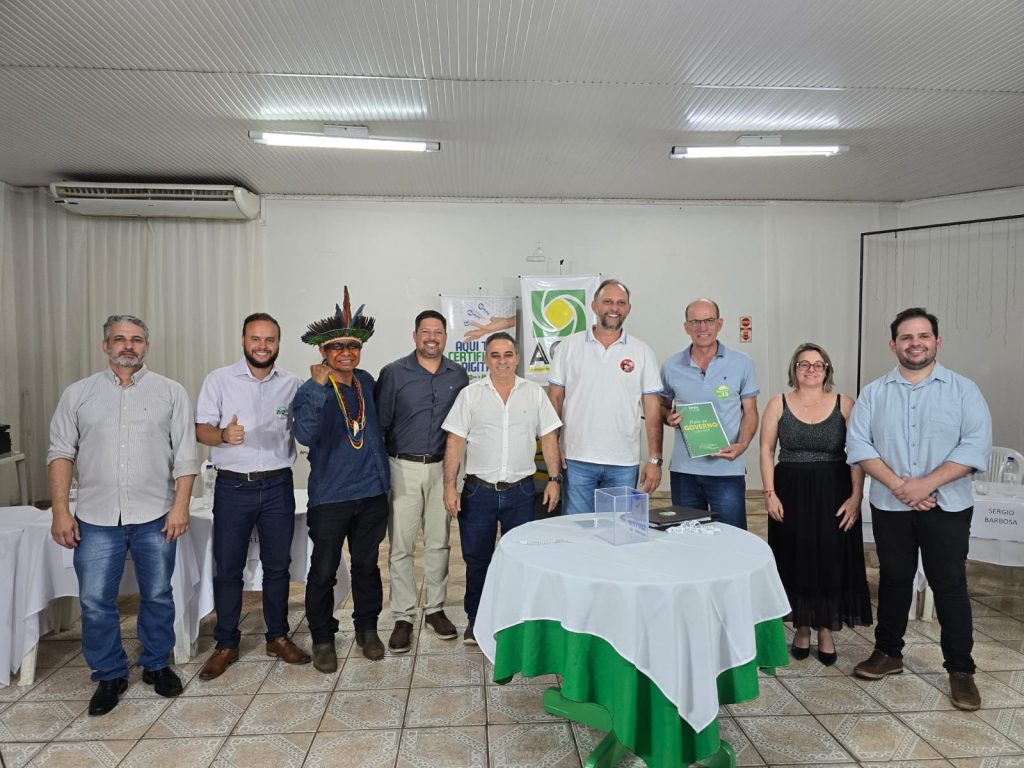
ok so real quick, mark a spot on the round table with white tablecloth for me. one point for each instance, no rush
(673, 626)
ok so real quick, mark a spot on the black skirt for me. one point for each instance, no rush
(821, 566)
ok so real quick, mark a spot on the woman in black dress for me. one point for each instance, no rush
(813, 501)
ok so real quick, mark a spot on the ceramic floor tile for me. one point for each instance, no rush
(831, 694)
(389, 672)
(1007, 761)
(906, 692)
(990, 657)
(517, 704)
(128, 720)
(792, 739)
(959, 734)
(1004, 629)
(132, 647)
(64, 684)
(283, 713)
(57, 653)
(1012, 678)
(588, 738)
(924, 659)
(529, 745)
(811, 667)
(773, 699)
(181, 753)
(278, 750)
(432, 644)
(354, 749)
(16, 755)
(877, 737)
(241, 678)
(1009, 722)
(360, 710)
(15, 692)
(199, 716)
(909, 764)
(995, 694)
(730, 732)
(1010, 605)
(448, 706)
(81, 754)
(448, 670)
(37, 720)
(297, 678)
(462, 747)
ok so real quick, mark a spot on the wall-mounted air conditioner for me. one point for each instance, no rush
(196, 201)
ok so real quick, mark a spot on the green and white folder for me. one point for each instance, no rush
(702, 429)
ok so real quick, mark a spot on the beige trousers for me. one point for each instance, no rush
(417, 501)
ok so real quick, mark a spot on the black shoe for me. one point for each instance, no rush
(826, 658)
(164, 681)
(107, 695)
(800, 653)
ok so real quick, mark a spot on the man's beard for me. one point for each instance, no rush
(268, 363)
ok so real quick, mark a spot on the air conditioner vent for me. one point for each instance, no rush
(205, 201)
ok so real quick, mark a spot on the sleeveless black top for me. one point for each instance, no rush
(800, 442)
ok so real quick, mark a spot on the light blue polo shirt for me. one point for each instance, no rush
(729, 380)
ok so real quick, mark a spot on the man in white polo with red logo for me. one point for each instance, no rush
(602, 382)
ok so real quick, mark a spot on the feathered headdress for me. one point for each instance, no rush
(342, 323)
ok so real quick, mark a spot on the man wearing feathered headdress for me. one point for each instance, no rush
(335, 416)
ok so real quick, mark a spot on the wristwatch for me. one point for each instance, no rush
(656, 461)
(555, 479)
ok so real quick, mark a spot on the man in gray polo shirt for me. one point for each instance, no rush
(414, 395)
(129, 431)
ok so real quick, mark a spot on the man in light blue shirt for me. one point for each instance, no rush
(920, 431)
(708, 371)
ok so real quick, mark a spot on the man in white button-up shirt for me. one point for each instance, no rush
(244, 415)
(130, 432)
(497, 421)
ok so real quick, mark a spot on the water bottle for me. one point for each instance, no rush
(1009, 476)
(209, 484)
(73, 491)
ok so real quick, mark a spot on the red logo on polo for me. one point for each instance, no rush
(627, 365)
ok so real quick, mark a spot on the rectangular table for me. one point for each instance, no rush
(37, 572)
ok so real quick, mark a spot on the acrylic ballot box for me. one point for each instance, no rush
(629, 509)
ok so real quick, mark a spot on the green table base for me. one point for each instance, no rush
(604, 691)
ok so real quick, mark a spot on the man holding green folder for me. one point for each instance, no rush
(716, 390)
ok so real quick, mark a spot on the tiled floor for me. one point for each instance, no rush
(436, 706)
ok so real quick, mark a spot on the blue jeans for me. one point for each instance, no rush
(99, 564)
(483, 509)
(238, 507)
(724, 495)
(583, 478)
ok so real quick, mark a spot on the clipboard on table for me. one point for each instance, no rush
(675, 515)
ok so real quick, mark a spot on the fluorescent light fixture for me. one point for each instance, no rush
(758, 146)
(342, 137)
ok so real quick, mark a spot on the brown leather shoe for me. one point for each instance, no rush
(442, 627)
(401, 638)
(878, 665)
(325, 658)
(963, 692)
(219, 660)
(284, 649)
(372, 645)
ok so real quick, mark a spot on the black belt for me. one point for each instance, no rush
(419, 458)
(474, 480)
(251, 477)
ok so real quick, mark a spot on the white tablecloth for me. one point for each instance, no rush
(36, 570)
(997, 526)
(680, 608)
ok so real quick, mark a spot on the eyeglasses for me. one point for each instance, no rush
(338, 346)
(817, 367)
(707, 322)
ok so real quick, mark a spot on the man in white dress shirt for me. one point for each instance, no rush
(244, 415)
(497, 421)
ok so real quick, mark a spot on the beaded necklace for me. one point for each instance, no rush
(354, 427)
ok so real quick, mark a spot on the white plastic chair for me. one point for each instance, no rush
(995, 463)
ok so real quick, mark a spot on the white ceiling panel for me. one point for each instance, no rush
(528, 99)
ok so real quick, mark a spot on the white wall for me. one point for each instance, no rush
(977, 205)
(791, 267)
